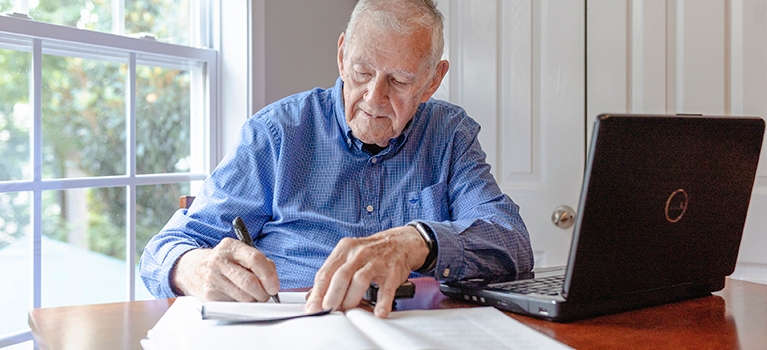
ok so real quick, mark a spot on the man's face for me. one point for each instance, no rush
(386, 76)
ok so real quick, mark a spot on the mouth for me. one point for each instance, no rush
(368, 114)
(372, 116)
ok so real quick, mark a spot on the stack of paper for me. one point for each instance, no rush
(182, 327)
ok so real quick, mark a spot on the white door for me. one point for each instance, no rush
(517, 67)
(677, 56)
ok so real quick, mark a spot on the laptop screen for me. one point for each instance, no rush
(663, 203)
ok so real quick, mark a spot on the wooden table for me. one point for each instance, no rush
(733, 318)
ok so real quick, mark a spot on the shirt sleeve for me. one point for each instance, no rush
(248, 168)
(485, 236)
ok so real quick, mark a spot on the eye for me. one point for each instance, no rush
(363, 75)
(399, 83)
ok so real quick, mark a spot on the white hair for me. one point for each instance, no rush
(403, 17)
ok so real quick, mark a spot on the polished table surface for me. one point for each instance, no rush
(733, 318)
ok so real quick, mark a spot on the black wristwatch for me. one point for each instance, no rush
(431, 242)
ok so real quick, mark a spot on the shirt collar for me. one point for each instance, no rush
(346, 131)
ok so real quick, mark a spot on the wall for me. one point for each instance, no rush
(681, 56)
(665, 56)
(300, 44)
(271, 49)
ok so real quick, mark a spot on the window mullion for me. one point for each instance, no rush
(36, 92)
(118, 17)
(130, 206)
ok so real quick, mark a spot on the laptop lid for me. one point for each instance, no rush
(663, 203)
(662, 210)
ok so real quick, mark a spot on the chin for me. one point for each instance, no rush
(372, 137)
(373, 141)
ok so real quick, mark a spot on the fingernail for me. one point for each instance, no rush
(380, 312)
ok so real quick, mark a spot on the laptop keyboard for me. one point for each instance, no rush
(544, 286)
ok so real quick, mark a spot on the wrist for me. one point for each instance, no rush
(431, 243)
(177, 277)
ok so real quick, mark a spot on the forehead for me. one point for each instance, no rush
(387, 49)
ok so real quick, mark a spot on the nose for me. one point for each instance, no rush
(378, 92)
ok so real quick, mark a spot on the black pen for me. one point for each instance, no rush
(242, 233)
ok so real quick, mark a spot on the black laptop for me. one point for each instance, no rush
(662, 210)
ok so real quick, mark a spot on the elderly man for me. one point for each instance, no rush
(368, 181)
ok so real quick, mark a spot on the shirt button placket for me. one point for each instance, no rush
(371, 197)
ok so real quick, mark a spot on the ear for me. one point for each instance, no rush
(439, 74)
(340, 57)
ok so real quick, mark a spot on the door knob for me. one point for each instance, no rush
(563, 216)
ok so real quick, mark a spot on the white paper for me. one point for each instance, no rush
(292, 305)
(467, 328)
(463, 328)
(183, 328)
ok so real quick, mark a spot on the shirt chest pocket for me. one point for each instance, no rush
(429, 204)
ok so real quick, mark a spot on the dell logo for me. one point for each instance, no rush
(676, 205)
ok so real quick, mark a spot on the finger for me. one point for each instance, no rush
(385, 297)
(357, 288)
(211, 292)
(226, 270)
(336, 292)
(246, 285)
(317, 293)
(216, 286)
(349, 282)
(260, 266)
(314, 299)
(322, 279)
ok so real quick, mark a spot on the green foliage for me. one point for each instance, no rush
(14, 126)
(83, 14)
(85, 131)
(166, 20)
(162, 117)
(154, 210)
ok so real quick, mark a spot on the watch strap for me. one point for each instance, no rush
(431, 242)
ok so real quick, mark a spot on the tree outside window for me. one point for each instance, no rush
(84, 134)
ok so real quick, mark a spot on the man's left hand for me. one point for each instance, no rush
(385, 258)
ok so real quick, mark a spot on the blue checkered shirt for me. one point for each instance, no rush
(301, 181)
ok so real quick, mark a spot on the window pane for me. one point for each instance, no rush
(83, 117)
(168, 21)
(163, 117)
(13, 6)
(15, 262)
(83, 246)
(83, 14)
(15, 115)
(155, 204)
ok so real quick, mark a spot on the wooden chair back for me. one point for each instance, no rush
(184, 202)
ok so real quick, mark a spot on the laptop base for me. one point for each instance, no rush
(559, 310)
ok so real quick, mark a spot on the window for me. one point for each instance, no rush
(107, 116)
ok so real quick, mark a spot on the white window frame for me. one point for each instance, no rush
(17, 33)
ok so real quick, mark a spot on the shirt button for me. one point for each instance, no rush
(446, 272)
(369, 208)
(374, 160)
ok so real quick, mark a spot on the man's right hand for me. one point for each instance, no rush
(232, 270)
